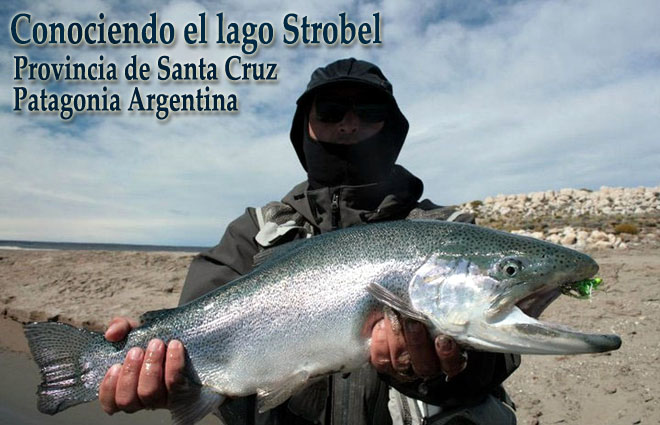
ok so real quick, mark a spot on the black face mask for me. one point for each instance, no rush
(331, 164)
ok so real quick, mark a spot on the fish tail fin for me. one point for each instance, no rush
(60, 351)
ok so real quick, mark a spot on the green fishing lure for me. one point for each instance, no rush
(581, 289)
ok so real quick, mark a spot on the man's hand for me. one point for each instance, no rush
(147, 378)
(397, 349)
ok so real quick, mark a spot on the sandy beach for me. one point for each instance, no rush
(87, 288)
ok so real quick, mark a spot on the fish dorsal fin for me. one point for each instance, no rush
(395, 302)
(276, 252)
(155, 315)
(273, 396)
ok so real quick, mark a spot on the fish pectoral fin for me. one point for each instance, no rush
(395, 302)
(268, 398)
(190, 406)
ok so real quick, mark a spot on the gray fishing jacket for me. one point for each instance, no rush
(361, 398)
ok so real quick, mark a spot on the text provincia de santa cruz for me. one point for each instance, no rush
(28, 31)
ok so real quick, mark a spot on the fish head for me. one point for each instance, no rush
(530, 275)
(486, 289)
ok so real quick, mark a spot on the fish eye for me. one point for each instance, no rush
(511, 267)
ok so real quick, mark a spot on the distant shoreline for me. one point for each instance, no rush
(82, 246)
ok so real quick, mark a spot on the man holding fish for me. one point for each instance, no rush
(347, 132)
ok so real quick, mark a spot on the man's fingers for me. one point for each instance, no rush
(452, 359)
(394, 351)
(175, 362)
(396, 342)
(107, 390)
(422, 354)
(126, 393)
(379, 349)
(118, 328)
(151, 384)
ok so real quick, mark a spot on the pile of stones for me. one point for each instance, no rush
(578, 218)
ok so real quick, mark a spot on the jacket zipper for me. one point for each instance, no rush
(406, 416)
(334, 209)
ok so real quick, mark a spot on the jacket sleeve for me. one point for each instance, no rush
(231, 258)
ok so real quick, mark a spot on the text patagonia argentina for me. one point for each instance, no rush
(249, 37)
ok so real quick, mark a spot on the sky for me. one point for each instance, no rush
(502, 97)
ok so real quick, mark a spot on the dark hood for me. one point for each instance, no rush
(342, 71)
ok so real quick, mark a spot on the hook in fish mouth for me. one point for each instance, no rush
(581, 289)
(535, 303)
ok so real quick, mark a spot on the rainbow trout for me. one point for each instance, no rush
(306, 310)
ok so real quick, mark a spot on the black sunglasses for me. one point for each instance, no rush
(333, 110)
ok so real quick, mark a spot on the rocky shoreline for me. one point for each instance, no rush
(609, 218)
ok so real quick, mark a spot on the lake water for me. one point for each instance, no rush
(6, 244)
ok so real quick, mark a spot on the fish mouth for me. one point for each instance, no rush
(534, 304)
(548, 338)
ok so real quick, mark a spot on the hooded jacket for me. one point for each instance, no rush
(306, 211)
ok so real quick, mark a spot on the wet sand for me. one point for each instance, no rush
(87, 288)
